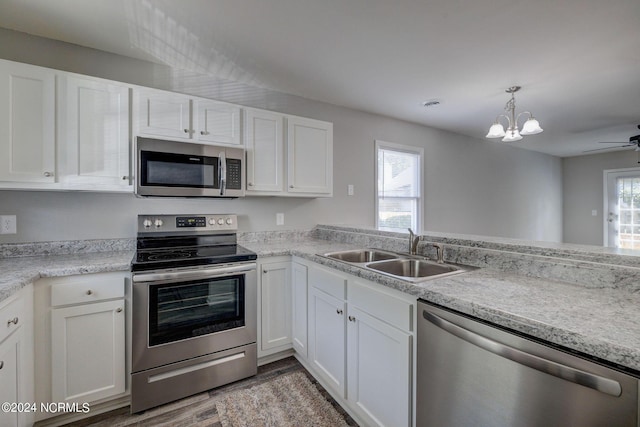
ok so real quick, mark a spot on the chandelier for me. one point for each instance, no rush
(530, 127)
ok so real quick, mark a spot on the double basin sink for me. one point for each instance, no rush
(406, 267)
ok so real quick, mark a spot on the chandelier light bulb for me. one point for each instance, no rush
(512, 135)
(531, 127)
(496, 131)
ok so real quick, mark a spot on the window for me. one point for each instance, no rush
(398, 187)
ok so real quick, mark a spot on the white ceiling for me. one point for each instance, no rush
(578, 61)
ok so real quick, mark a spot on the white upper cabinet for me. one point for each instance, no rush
(264, 143)
(218, 122)
(27, 123)
(300, 165)
(164, 114)
(171, 115)
(309, 156)
(94, 133)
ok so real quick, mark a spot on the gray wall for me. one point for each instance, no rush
(583, 191)
(472, 186)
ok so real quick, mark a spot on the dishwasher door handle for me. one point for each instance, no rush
(596, 382)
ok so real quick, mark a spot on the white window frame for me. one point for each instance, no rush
(406, 149)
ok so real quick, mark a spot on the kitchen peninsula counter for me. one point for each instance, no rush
(600, 321)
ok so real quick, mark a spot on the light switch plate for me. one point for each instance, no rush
(350, 190)
(279, 219)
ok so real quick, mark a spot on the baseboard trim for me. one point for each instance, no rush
(275, 357)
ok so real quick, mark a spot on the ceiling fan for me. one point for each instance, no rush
(634, 141)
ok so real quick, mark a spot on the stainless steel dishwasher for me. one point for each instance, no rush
(474, 374)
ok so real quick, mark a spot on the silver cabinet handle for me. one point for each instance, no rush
(119, 310)
(204, 132)
(14, 321)
(1, 364)
(352, 319)
(596, 382)
(89, 292)
(48, 174)
(339, 311)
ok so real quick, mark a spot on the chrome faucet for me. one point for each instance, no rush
(413, 242)
(439, 252)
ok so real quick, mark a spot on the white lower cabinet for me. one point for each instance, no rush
(80, 328)
(361, 345)
(274, 293)
(355, 336)
(16, 359)
(299, 296)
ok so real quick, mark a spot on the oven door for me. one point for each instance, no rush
(185, 314)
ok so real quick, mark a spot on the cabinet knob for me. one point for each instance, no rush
(89, 292)
(14, 321)
(124, 178)
(338, 311)
(250, 184)
(291, 186)
(264, 271)
(1, 364)
(186, 131)
(119, 310)
(203, 132)
(352, 319)
(48, 174)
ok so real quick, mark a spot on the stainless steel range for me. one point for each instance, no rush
(194, 308)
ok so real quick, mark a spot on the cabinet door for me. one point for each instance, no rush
(327, 339)
(299, 314)
(265, 156)
(88, 351)
(164, 114)
(218, 123)
(275, 294)
(309, 156)
(9, 359)
(379, 367)
(27, 127)
(94, 143)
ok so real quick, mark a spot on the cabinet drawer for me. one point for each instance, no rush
(385, 307)
(329, 282)
(12, 312)
(87, 288)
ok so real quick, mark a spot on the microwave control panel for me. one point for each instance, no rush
(234, 174)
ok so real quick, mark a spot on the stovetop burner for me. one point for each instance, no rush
(202, 241)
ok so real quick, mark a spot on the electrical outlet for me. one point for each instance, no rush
(350, 190)
(279, 219)
(8, 224)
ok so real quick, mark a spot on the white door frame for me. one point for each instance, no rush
(607, 175)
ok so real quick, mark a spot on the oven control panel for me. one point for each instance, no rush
(187, 223)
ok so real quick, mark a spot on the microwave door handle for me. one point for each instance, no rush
(222, 172)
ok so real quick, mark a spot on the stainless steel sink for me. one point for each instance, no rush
(402, 266)
(360, 256)
(412, 268)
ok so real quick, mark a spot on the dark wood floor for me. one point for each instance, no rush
(173, 414)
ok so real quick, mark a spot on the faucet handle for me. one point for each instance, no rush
(439, 252)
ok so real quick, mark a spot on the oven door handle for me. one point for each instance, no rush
(194, 274)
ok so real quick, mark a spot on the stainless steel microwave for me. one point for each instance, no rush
(184, 169)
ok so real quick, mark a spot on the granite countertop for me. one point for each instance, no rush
(599, 322)
(17, 272)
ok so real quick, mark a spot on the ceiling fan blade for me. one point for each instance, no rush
(610, 148)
